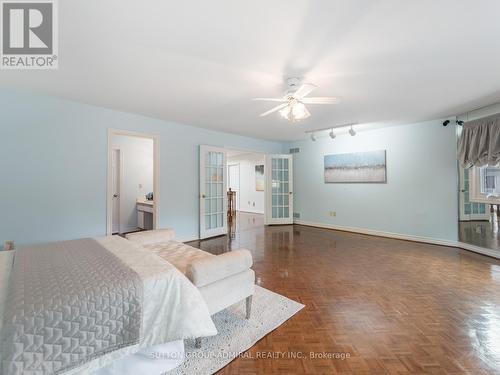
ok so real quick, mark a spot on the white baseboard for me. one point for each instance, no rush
(129, 229)
(406, 237)
(398, 236)
(478, 249)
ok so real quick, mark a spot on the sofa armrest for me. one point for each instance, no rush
(208, 270)
(149, 237)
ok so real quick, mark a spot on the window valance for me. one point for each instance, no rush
(479, 143)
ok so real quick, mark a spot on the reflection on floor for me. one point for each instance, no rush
(396, 307)
(245, 231)
(479, 233)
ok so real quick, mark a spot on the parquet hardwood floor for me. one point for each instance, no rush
(396, 307)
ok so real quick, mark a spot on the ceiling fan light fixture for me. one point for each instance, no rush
(299, 111)
(285, 112)
(292, 105)
(295, 111)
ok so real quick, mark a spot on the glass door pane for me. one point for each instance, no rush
(470, 210)
(212, 186)
(280, 206)
(213, 196)
(280, 200)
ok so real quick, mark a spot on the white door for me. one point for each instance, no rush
(279, 189)
(470, 210)
(116, 164)
(233, 182)
(213, 194)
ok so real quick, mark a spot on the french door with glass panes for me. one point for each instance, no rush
(469, 210)
(213, 196)
(279, 189)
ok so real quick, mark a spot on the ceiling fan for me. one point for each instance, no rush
(293, 103)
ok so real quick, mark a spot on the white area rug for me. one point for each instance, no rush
(236, 334)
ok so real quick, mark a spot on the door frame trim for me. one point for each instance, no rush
(156, 175)
(120, 178)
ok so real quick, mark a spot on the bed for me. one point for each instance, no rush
(50, 323)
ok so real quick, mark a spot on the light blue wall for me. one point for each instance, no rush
(53, 157)
(419, 198)
(53, 160)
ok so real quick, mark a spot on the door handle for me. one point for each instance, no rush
(115, 195)
(203, 196)
(291, 193)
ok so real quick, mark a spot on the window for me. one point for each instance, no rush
(490, 180)
(485, 184)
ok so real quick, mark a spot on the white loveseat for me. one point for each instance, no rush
(222, 280)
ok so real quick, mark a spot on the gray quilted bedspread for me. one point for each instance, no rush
(68, 303)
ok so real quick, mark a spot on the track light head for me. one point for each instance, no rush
(332, 134)
(313, 138)
(352, 132)
(445, 123)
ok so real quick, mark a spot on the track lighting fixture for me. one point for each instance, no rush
(458, 122)
(333, 131)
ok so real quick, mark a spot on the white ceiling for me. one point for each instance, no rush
(201, 62)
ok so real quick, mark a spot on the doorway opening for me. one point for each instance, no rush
(243, 184)
(133, 178)
(246, 185)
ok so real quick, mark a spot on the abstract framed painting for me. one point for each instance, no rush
(363, 167)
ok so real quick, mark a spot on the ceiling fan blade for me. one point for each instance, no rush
(321, 100)
(277, 108)
(304, 90)
(272, 99)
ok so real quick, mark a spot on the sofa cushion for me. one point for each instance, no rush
(207, 270)
(228, 291)
(221, 279)
(149, 237)
(178, 254)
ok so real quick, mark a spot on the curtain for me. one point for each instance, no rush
(479, 143)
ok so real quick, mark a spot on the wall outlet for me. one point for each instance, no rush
(333, 213)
